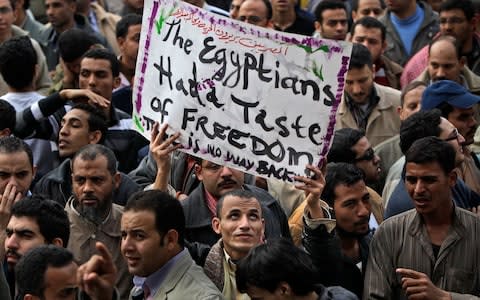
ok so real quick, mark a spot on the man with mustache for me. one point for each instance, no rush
(215, 181)
(33, 221)
(460, 108)
(345, 191)
(93, 216)
(446, 62)
(430, 252)
(367, 105)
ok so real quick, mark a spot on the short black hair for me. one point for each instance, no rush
(343, 141)
(432, 149)
(464, 5)
(326, 5)
(448, 38)
(96, 119)
(91, 151)
(74, 42)
(360, 57)
(355, 4)
(12, 144)
(419, 125)
(125, 22)
(17, 62)
(279, 260)
(51, 217)
(167, 210)
(107, 55)
(410, 87)
(243, 194)
(340, 173)
(31, 268)
(7, 115)
(369, 23)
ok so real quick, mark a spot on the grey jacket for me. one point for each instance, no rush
(395, 49)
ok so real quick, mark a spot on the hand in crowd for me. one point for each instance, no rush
(97, 276)
(68, 80)
(84, 95)
(10, 196)
(161, 148)
(476, 210)
(417, 285)
(313, 187)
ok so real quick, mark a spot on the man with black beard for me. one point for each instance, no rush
(345, 191)
(93, 217)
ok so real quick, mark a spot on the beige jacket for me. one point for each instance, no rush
(383, 122)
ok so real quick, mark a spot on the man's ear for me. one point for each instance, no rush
(34, 171)
(198, 171)
(95, 136)
(384, 46)
(116, 82)
(120, 41)
(172, 239)
(58, 242)
(399, 110)
(452, 178)
(318, 27)
(5, 132)
(117, 179)
(216, 225)
(284, 289)
(462, 61)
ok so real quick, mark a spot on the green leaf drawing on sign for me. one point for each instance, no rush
(139, 124)
(316, 71)
(159, 23)
(309, 50)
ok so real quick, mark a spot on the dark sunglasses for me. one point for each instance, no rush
(369, 155)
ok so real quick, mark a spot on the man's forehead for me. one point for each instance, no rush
(5, 3)
(99, 163)
(454, 11)
(22, 155)
(232, 203)
(23, 223)
(76, 114)
(95, 64)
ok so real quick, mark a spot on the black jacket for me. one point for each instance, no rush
(333, 267)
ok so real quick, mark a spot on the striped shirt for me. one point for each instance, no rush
(403, 242)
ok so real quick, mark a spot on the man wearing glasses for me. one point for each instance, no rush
(256, 12)
(430, 123)
(457, 19)
(352, 146)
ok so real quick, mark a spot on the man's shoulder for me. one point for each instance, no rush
(397, 222)
(191, 281)
(389, 97)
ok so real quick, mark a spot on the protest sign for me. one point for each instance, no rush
(257, 100)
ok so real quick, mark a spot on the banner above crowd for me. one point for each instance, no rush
(257, 100)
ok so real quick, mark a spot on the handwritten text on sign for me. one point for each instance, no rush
(257, 100)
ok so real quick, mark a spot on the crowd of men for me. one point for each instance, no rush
(90, 209)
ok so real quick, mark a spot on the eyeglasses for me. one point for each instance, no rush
(453, 136)
(452, 20)
(250, 19)
(369, 155)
